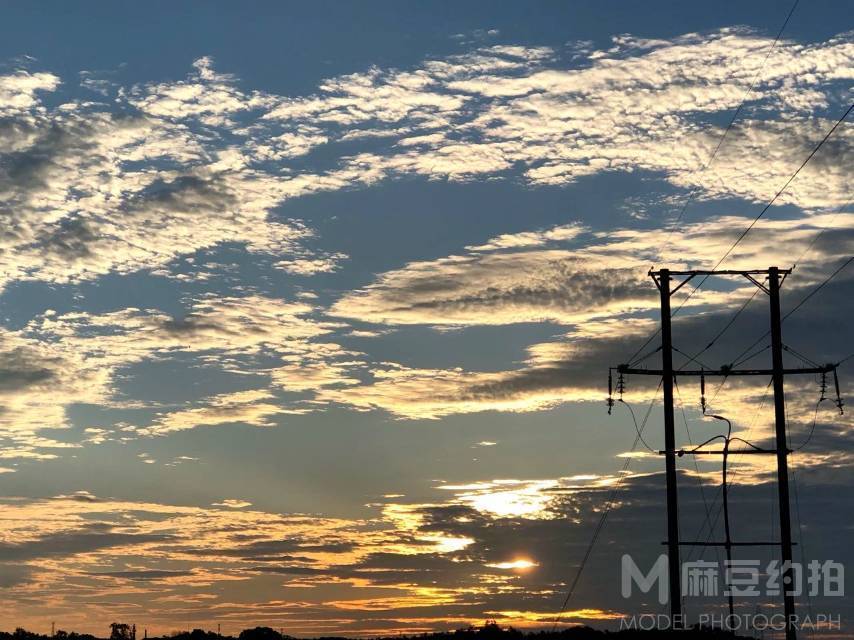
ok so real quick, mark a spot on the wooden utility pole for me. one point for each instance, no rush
(782, 450)
(673, 564)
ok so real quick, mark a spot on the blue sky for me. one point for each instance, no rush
(307, 310)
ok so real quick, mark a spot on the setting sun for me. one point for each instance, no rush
(520, 563)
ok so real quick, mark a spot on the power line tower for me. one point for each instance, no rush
(781, 451)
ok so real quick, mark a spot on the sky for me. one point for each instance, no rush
(307, 309)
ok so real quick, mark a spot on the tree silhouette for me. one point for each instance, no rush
(260, 633)
(122, 631)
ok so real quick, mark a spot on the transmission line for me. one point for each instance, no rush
(608, 505)
(766, 208)
(803, 300)
(750, 226)
(696, 189)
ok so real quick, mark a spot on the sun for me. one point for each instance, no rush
(519, 564)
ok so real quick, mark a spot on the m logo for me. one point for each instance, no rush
(632, 573)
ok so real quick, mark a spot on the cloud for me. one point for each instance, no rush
(602, 333)
(175, 167)
(525, 239)
(206, 95)
(232, 504)
(642, 105)
(513, 279)
(18, 91)
(254, 408)
(57, 360)
(437, 562)
(311, 266)
(86, 191)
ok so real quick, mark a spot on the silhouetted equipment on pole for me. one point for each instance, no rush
(781, 451)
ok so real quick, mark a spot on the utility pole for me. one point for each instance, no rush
(777, 372)
(674, 567)
(782, 449)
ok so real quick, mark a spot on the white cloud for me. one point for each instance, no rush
(254, 408)
(512, 279)
(59, 360)
(88, 192)
(18, 91)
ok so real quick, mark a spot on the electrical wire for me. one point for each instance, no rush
(812, 428)
(690, 359)
(765, 208)
(802, 545)
(803, 301)
(819, 235)
(604, 517)
(750, 227)
(706, 507)
(642, 358)
(800, 356)
(637, 428)
(694, 191)
(797, 502)
(731, 478)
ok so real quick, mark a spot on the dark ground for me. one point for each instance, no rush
(486, 632)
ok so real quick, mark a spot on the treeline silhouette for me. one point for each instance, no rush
(489, 631)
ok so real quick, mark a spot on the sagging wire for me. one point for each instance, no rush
(822, 397)
(621, 388)
(609, 504)
(633, 363)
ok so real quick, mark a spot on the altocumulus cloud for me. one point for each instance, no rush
(167, 168)
(88, 190)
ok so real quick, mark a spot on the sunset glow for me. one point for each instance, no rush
(313, 312)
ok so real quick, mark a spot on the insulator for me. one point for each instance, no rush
(839, 403)
(621, 385)
(703, 392)
(823, 386)
(610, 391)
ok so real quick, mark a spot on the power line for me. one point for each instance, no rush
(637, 428)
(696, 189)
(819, 234)
(814, 291)
(819, 287)
(693, 193)
(733, 474)
(706, 506)
(728, 324)
(608, 505)
(750, 226)
(812, 428)
(766, 207)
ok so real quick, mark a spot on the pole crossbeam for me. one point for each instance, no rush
(721, 272)
(720, 452)
(730, 544)
(724, 371)
(690, 275)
